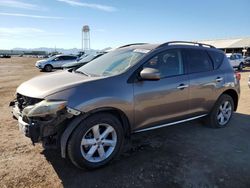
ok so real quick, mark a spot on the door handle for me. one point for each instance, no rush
(219, 79)
(182, 86)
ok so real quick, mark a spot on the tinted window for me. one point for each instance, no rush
(217, 58)
(169, 63)
(197, 61)
(69, 57)
(58, 58)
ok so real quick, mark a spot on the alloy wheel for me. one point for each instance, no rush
(224, 113)
(98, 143)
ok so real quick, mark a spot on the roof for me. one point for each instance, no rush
(148, 46)
(141, 46)
(229, 43)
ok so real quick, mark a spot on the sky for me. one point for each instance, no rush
(50, 23)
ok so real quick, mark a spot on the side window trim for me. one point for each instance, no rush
(187, 63)
(211, 59)
(180, 57)
(214, 63)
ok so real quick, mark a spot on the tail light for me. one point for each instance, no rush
(237, 76)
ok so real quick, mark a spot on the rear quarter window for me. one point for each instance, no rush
(197, 60)
(217, 58)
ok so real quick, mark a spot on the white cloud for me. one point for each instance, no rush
(89, 5)
(19, 30)
(19, 4)
(23, 32)
(29, 15)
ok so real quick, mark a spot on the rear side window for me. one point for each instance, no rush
(217, 58)
(197, 61)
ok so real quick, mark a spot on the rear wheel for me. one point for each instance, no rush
(48, 68)
(96, 141)
(221, 113)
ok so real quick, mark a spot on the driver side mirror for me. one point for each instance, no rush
(150, 74)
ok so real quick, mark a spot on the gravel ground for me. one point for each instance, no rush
(185, 155)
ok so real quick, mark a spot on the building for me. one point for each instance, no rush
(233, 45)
(22, 52)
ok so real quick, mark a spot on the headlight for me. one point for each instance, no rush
(44, 108)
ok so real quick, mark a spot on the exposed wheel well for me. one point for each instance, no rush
(75, 122)
(234, 96)
(118, 113)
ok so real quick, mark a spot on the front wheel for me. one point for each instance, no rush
(48, 68)
(221, 113)
(240, 66)
(96, 141)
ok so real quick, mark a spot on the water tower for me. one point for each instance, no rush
(85, 38)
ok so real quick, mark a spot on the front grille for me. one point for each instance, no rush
(24, 101)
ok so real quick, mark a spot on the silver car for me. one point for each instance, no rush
(55, 62)
(88, 112)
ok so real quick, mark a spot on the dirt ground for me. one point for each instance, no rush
(185, 155)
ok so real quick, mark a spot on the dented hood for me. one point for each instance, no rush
(47, 84)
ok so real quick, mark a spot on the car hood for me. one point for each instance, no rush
(42, 86)
(41, 61)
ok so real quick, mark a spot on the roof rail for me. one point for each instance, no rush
(186, 42)
(131, 45)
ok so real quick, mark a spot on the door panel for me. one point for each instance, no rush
(203, 88)
(157, 101)
(56, 62)
(164, 100)
(204, 81)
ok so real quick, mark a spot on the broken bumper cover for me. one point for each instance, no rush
(30, 130)
(23, 126)
(40, 128)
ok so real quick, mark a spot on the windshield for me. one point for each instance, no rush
(112, 63)
(87, 58)
(52, 57)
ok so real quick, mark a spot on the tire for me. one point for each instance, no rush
(111, 145)
(48, 68)
(240, 66)
(214, 119)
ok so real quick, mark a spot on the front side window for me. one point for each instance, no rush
(60, 58)
(169, 63)
(197, 61)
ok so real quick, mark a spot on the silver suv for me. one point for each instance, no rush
(138, 87)
(55, 62)
(236, 60)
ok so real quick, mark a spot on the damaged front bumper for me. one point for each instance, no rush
(46, 128)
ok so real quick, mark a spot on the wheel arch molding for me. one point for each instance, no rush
(78, 119)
